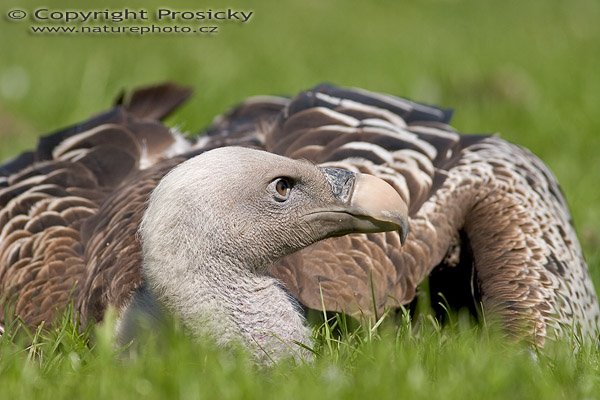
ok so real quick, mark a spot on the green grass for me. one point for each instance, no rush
(526, 69)
(395, 360)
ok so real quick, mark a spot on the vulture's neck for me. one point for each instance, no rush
(223, 301)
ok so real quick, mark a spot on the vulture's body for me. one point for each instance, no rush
(479, 207)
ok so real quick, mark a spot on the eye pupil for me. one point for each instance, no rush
(283, 187)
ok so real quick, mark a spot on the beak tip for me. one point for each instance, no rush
(404, 231)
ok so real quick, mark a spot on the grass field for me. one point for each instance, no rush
(526, 69)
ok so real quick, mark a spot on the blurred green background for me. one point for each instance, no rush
(527, 69)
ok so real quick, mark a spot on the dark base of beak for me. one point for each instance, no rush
(340, 223)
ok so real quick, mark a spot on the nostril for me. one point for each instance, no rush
(341, 182)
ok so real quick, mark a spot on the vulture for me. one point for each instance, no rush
(337, 199)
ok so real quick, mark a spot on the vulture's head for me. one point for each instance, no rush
(237, 206)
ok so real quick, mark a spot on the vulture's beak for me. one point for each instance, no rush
(365, 204)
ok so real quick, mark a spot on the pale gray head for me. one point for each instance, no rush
(252, 207)
(215, 224)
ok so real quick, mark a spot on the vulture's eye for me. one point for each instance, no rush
(283, 186)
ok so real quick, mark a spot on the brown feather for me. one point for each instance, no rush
(154, 102)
